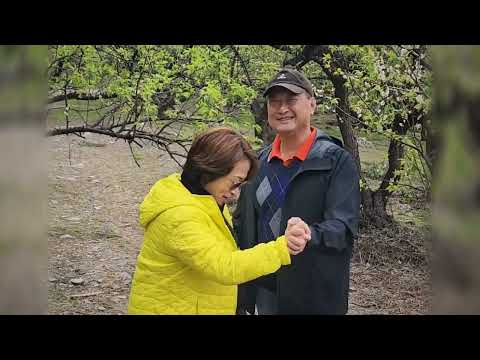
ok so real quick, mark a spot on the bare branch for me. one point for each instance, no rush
(133, 155)
(172, 153)
(244, 66)
(412, 187)
(72, 94)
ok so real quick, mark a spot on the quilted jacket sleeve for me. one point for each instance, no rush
(188, 238)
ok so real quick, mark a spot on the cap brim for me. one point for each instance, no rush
(293, 88)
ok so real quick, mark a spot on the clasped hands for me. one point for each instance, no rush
(297, 234)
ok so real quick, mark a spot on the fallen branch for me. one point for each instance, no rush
(85, 295)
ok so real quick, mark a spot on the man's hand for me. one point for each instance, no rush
(297, 235)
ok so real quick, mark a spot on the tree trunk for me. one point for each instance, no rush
(375, 202)
(431, 147)
(259, 111)
(396, 152)
(344, 119)
(374, 208)
(432, 140)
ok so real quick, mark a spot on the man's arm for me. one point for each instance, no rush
(342, 208)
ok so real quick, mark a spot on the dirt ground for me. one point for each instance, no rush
(94, 237)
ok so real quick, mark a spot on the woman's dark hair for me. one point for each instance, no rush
(214, 153)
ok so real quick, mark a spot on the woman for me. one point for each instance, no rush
(189, 262)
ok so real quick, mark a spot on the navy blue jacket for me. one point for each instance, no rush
(325, 193)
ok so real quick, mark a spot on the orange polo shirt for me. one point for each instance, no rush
(302, 151)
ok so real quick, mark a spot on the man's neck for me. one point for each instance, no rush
(290, 142)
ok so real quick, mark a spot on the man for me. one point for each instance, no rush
(305, 174)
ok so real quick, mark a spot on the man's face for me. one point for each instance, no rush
(289, 112)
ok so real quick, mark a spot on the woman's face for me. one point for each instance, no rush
(226, 189)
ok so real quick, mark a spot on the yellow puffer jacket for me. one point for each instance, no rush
(189, 262)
